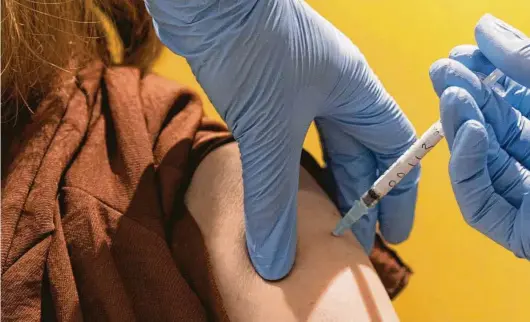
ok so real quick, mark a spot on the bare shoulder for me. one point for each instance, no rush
(332, 279)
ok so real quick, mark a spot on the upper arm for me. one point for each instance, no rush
(332, 278)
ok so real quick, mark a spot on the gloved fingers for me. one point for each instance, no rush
(354, 170)
(517, 96)
(375, 120)
(509, 178)
(447, 72)
(520, 240)
(506, 47)
(511, 128)
(456, 107)
(514, 93)
(471, 57)
(270, 154)
(480, 205)
(397, 208)
(367, 112)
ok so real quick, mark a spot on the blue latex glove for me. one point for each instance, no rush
(271, 67)
(489, 132)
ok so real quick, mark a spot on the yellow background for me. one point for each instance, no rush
(459, 274)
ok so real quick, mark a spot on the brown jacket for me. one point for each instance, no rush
(93, 221)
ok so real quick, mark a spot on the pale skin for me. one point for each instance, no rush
(332, 279)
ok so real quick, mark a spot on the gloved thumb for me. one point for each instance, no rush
(457, 106)
(506, 47)
(270, 159)
(520, 242)
(468, 168)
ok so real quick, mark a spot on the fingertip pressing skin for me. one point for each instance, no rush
(276, 271)
(272, 238)
(270, 156)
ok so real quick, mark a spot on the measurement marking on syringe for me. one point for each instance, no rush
(427, 148)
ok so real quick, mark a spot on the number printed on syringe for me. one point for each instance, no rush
(409, 160)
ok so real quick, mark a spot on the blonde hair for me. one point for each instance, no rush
(42, 38)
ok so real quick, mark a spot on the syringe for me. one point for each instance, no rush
(397, 171)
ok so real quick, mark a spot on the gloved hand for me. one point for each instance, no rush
(489, 132)
(270, 68)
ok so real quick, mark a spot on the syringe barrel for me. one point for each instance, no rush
(407, 161)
